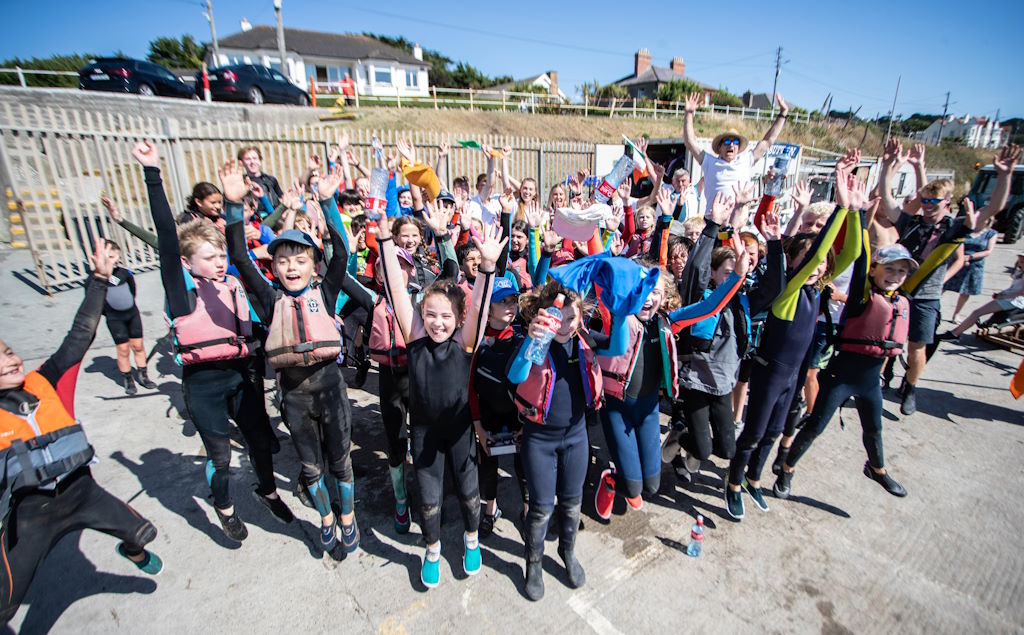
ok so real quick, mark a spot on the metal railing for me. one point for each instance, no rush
(22, 72)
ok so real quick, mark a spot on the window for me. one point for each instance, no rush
(335, 74)
(382, 76)
(323, 74)
(412, 79)
(278, 76)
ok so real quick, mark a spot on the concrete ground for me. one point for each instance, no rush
(840, 556)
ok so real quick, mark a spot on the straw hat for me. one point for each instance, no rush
(731, 132)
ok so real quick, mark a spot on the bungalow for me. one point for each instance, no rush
(376, 68)
(548, 82)
(647, 79)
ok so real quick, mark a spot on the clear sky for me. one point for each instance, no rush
(854, 50)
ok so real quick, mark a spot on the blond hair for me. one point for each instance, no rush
(939, 188)
(697, 222)
(194, 233)
(821, 209)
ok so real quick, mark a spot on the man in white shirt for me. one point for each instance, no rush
(729, 164)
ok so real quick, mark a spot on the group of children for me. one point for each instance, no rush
(454, 296)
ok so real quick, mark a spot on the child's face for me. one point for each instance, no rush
(572, 317)
(249, 209)
(753, 254)
(677, 260)
(653, 302)
(502, 313)
(208, 261)
(693, 233)
(409, 237)
(517, 241)
(211, 206)
(812, 224)
(117, 258)
(645, 220)
(405, 199)
(722, 272)
(471, 264)
(439, 317)
(361, 240)
(890, 276)
(293, 267)
(363, 187)
(12, 369)
(817, 273)
(352, 209)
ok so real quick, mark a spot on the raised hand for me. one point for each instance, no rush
(858, 195)
(534, 214)
(771, 225)
(406, 149)
(783, 106)
(491, 246)
(721, 208)
(1007, 158)
(314, 162)
(743, 193)
(738, 218)
(351, 159)
(256, 189)
(507, 151)
(893, 154)
(615, 245)
(624, 189)
(461, 198)
(970, 214)
(437, 218)
(112, 211)
(103, 258)
(641, 145)
(801, 194)
(251, 233)
(552, 241)
(576, 186)
(391, 163)
(486, 149)
(232, 181)
(691, 103)
(742, 266)
(659, 170)
(507, 200)
(343, 141)
(329, 184)
(916, 156)
(665, 204)
(290, 198)
(145, 153)
(442, 149)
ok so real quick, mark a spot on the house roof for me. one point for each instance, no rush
(303, 42)
(658, 75)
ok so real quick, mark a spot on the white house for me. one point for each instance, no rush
(975, 132)
(376, 68)
(547, 81)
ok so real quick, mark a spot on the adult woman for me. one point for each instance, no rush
(969, 280)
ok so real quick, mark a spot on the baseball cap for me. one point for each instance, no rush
(893, 253)
(445, 195)
(503, 288)
(296, 237)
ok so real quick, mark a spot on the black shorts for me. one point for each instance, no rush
(746, 367)
(924, 319)
(125, 325)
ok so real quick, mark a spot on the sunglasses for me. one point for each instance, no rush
(932, 201)
(731, 142)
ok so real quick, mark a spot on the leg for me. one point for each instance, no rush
(428, 460)
(924, 316)
(767, 384)
(249, 412)
(835, 389)
(394, 387)
(617, 419)
(296, 410)
(540, 462)
(574, 457)
(648, 439)
(139, 350)
(989, 307)
(28, 533)
(961, 302)
(204, 393)
(723, 425)
(124, 364)
(462, 453)
(336, 440)
(775, 426)
(697, 440)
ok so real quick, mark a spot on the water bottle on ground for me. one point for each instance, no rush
(536, 350)
(377, 200)
(622, 168)
(696, 538)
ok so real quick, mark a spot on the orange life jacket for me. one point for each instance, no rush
(881, 329)
(50, 415)
(302, 331)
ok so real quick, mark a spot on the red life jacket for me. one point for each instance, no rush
(219, 328)
(618, 371)
(522, 273)
(387, 344)
(880, 330)
(302, 331)
(540, 383)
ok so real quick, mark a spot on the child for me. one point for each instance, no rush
(1009, 299)
(125, 324)
(303, 344)
(439, 346)
(212, 321)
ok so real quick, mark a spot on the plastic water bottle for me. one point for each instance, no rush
(377, 200)
(536, 350)
(622, 168)
(776, 183)
(696, 538)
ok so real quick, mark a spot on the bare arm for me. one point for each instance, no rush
(916, 159)
(394, 287)
(773, 133)
(441, 164)
(689, 138)
(488, 184)
(892, 159)
(956, 264)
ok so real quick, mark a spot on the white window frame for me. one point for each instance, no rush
(377, 70)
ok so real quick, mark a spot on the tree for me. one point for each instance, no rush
(73, 62)
(722, 97)
(175, 53)
(678, 89)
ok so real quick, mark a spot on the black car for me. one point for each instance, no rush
(254, 84)
(123, 75)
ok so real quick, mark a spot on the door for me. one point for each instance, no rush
(284, 88)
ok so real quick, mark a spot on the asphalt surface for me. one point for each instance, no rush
(840, 556)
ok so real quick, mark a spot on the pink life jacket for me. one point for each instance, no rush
(219, 328)
(302, 331)
(522, 273)
(618, 371)
(882, 328)
(387, 344)
(540, 383)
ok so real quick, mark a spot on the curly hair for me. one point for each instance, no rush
(450, 289)
(543, 297)
(670, 298)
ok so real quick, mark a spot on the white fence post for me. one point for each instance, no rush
(21, 76)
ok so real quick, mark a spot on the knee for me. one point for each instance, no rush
(311, 473)
(342, 470)
(137, 346)
(632, 488)
(431, 513)
(651, 485)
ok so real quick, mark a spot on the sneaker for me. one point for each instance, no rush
(362, 369)
(430, 572)
(948, 336)
(692, 464)
(604, 497)
(782, 484)
(909, 403)
(350, 536)
(636, 503)
(885, 481)
(756, 495)
(487, 523)
(329, 535)
(733, 502)
(276, 506)
(402, 521)
(128, 383)
(780, 458)
(151, 564)
(670, 447)
(142, 377)
(679, 467)
(471, 559)
(233, 526)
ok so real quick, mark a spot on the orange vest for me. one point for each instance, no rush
(302, 331)
(49, 416)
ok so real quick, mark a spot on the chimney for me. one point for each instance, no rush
(748, 99)
(246, 25)
(641, 61)
(678, 65)
(417, 52)
(553, 89)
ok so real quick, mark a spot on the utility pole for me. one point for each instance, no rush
(942, 123)
(892, 111)
(213, 34)
(280, 38)
(775, 84)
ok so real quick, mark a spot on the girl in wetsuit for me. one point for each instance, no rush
(440, 341)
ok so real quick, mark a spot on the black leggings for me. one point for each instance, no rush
(431, 446)
(319, 418)
(393, 383)
(771, 390)
(215, 392)
(705, 413)
(848, 375)
(493, 423)
(40, 519)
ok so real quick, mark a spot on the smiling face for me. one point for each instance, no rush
(502, 313)
(471, 264)
(252, 162)
(439, 317)
(409, 237)
(293, 266)
(12, 369)
(517, 241)
(934, 212)
(557, 198)
(211, 206)
(572, 317)
(208, 261)
(653, 302)
(677, 260)
(890, 276)
(405, 198)
(528, 190)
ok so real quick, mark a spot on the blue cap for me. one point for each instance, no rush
(403, 188)
(503, 288)
(297, 237)
(445, 195)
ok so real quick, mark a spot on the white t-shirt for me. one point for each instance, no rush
(488, 213)
(842, 285)
(689, 196)
(721, 176)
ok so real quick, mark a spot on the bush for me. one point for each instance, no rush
(53, 63)
(722, 97)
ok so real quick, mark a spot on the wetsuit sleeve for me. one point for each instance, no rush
(337, 268)
(83, 329)
(852, 243)
(273, 219)
(784, 306)
(711, 305)
(519, 368)
(629, 225)
(141, 233)
(697, 272)
(659, 240)
(446, 253)
(860, 284)
(506, 224)
(618, 338)
(772, 282)
(258, 287)
(531, 250)
(265, 207)
(474, 399)
(130, 280)
(391, 194)
(540, 273)
(171, 273)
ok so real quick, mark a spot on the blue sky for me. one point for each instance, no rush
(853, 50)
